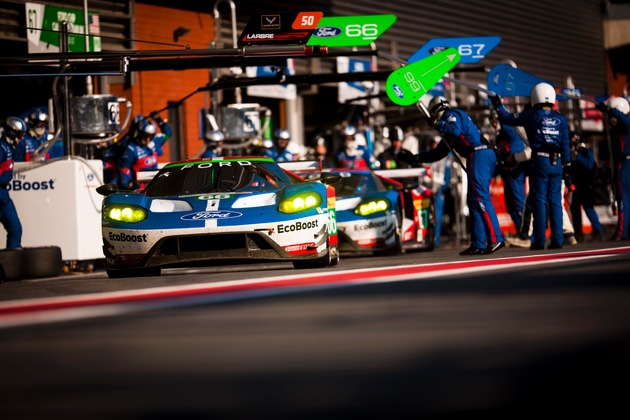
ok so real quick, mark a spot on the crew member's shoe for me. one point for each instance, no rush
(569, 239)
(536, 247)
(493, 247)
(518, 241)
(471, 250)
(597, 236)
(614, 238)
(554, 245)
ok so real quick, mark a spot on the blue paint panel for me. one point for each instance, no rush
(505, 80)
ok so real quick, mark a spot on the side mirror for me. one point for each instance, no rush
(329, 178)
(106, 189)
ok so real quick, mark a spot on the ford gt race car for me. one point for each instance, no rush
(383, 215)
(236, 208)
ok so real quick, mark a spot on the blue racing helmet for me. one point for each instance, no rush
(145, 132)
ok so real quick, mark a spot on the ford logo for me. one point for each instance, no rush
(398, 91)
(207, 215)
(327, 32)
(550, 121)
(436, 50)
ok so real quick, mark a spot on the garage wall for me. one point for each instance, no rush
(552, 39)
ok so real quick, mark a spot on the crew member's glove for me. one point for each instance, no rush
(496, 100)
(523, 155)
(155, 116)
(566, 176)
(602, 107)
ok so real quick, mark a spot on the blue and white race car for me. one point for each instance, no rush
(384, 212)
(236, 208)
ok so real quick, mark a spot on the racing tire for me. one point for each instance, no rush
(397, 249)
(12, 263)
(321, 262)
(431, 241)
(334, 260)
(137, 272)
(43, 261)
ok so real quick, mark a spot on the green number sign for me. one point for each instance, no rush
(408, 84)
(350, 31)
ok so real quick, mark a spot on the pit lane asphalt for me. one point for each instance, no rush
(517, 342)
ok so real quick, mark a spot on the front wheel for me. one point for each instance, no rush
(331, 258)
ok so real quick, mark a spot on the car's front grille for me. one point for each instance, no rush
(209, 247)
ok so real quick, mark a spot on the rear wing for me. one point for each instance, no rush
(300, 165)
(401, 173)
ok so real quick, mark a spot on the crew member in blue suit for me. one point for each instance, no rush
(13, 130)
(460, 134)
(548, 135)
(143, 150)
(213, 144)
(617, 109)
(583, 197)
(279, 151)
(351, 155)
(35, 136)
(512, 173)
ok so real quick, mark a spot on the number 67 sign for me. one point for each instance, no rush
(471, 49)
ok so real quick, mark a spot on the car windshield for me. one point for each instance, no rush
(213, 177)
(353, 184)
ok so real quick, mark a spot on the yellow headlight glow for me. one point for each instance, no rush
(300, 202)
(372, 206)
(125, 213)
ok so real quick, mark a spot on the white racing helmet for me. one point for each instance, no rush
(348, 131)
(543, 93)
(37, 121)
(620, 104)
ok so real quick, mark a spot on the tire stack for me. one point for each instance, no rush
(32, 262)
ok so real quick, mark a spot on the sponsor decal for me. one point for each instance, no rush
(23, 185)
(269, 22)
(123, 237)
(551, 121)
(550, 131)
(307, 248)
(249, 37)
(287, 36)
(436, 50)
(297, 226)
(299, 247)
(206, 165)
(207, 215)
(371, 225)
(398, 91)
(327, 32)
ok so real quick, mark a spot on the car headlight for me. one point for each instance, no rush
(300, 202)
(375, 205)
(125, 213)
